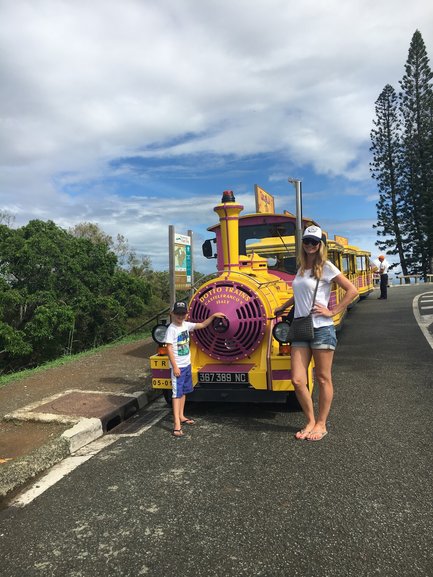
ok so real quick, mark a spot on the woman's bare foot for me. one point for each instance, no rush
(303, 433)
(316, 435)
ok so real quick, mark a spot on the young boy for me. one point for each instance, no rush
(177, 341)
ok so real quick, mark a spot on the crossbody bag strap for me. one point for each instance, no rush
(315, 292)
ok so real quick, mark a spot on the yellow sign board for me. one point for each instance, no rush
(159, 362)
(341, 240)
(161, 383)
(264, 201)
(182, 261)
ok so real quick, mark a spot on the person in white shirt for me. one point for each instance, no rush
(314, 267)
(177, 341)
(383, 271)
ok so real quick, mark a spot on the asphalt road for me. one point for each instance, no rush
(239, 496)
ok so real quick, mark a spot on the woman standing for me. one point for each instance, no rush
(314, 266)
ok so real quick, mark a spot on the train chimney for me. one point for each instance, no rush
(228, 212)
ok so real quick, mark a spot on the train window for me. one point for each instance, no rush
(289, 265)
(280, 262)
(360, 263)
(345, 263)
(254, 233)
(333, 257)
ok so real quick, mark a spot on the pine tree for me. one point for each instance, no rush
(386, 149)
(417, 156)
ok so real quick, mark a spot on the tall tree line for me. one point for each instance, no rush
(63, 292)
(402, 165)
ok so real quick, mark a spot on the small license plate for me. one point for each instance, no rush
(230, 378)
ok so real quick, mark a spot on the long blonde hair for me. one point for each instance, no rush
(320, 258)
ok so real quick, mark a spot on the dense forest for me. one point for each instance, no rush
(64, 292)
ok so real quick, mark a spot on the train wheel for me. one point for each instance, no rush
(168, 395)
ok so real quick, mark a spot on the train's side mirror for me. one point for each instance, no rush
(207, 248)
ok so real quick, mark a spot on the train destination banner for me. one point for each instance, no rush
(264, 200)
(341, 240)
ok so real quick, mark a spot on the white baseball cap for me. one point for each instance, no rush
(313, 232)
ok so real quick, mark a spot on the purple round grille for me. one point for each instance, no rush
(246, 320)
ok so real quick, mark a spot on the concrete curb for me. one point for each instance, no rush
(16, 473)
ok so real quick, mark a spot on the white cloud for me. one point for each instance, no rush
(85, 83)
(95, 78)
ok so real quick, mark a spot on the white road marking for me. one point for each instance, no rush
(62, 469)
(424, 321)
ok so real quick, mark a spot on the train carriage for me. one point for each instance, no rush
(364, 273)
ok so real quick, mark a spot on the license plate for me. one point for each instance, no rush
(230, 378)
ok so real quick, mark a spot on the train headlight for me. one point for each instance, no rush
(280, 332)
(158, 334)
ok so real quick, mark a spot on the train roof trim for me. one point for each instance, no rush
(348, 249)
(358, 250)
(286, 215)
(334, 245)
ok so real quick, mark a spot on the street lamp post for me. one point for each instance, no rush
(298, 234)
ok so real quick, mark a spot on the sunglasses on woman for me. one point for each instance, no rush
(311, 241)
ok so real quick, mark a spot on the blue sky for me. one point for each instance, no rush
(138, 114)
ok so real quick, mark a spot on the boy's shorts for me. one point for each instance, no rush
(324, 338)
(182, 385)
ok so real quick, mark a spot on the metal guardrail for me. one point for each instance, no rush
(416, 277)
(154, 320)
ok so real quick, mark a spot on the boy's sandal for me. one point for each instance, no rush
(187, 421)
(177, 433)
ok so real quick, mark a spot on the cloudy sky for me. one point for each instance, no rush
(138, 114)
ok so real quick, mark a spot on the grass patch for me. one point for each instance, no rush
(5, 379)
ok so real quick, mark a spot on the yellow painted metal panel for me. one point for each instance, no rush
(161, 383)
(159, 362)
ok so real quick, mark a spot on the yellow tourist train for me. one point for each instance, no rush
(242, 357)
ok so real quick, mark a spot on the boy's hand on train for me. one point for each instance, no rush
(219, 315)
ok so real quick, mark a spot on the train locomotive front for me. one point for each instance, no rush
(236, 358)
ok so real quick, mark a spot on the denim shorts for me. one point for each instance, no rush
(324, 338)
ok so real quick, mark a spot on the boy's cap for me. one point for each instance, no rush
(381, 257)
(313, 232)
(180, 308)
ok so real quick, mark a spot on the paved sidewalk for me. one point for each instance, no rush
(49, 415)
